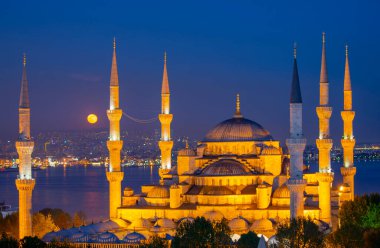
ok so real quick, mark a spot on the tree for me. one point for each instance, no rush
(299, 232)
(201, 233)
(222, 233)
(10, 225)
(32, 242)
(359, 221)
(61, 218)
(156, 242)
(43, 224)
(79, 219)
(248, 240)
(8, 241)
(372, 238)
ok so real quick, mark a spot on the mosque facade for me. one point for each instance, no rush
(241, 173)
(238, 171)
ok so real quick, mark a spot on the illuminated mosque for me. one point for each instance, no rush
(238, 172)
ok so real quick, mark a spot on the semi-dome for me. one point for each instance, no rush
(213, 215)
(165, 223)
(262, 225)
(140, 223)
(282, 192)
(237, 129)
(158, 192)
(225, 167)
(270, 150)
(238, 224)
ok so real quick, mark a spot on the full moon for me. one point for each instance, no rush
(92, 118)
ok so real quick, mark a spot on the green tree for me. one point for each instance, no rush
(359, 219)
(201, 233)
(248, 240)
(32, 242)
(43, 224)
(298, 233)
(8, 241)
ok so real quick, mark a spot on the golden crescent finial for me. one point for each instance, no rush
(238, 104)
(24, 60)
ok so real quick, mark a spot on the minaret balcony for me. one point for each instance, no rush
(347, 116)
(324, 112)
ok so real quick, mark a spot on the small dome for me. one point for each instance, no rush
(270, 150)
(213, 215)
(128, 191)
(186, 152)
(262, 225)
(237, 129)
(165, 223)
(134, 238)
(282, 192)
(106, 237)
(238, 224)
(158, 192)
(140, 224)
(225, 167)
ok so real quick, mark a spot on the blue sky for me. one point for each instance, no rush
(215, 50)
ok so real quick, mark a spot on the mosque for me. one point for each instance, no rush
(238, 171)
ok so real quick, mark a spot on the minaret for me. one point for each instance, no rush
(348, 170)
(114, 144)
(296, 145)
(324, 143)
(165, 143)
(24, 145)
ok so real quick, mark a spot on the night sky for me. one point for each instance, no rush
(215, 50)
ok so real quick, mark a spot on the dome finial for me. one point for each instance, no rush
(237, 113)
(187, 144)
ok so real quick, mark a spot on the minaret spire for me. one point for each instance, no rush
(165, 80)
(323, 75)
(114, 81)
(295, 93)
(347, 77)
(24, 95)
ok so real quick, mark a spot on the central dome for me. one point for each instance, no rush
(237, 129)
(225, 167)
